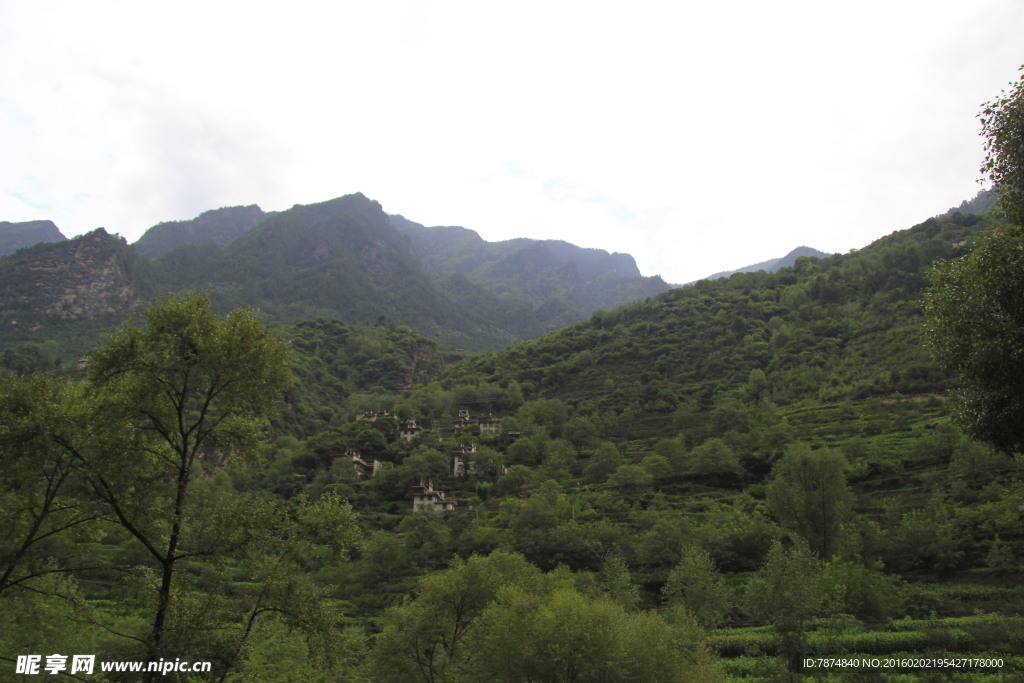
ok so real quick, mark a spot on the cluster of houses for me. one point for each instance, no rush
(463, 464)
(489, 426)
(424, 496)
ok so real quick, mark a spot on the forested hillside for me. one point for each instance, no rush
(774, 265)
(218, 226)
(845, 327)
(728, 478)
(535, 286)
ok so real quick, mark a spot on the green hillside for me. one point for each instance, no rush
(343, 259)
(732, 478)
(218, 226)
(840, 328)
(681, 439)
(534, 286)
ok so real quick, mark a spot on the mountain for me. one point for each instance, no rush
(15, 236)
(773, 265)
(218, 226)
(982, 202)
(844, 327)
(347, 259)
(340, 258)
(93, 277)
(546, 283)
(713, 447)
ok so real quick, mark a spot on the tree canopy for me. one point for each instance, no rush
(1002, 125)
(975, 308)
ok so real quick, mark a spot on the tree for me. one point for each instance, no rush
(714, 457)
(1002, 125)
(605, 460)
(179, 398)
(554, 631)
(46, 515)
(550, 413)
(673, 450)
(632, 477)
(422, 639)
(43, 492)
(498, 618)
(788, 591)
(975, 329)
(696, 584)
(808, 494)
(975, 308)
(617, 581)
(657, 466)
(515, 480)
(581, 433)
(559, 460)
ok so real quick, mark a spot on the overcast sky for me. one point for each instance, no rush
(698, 137)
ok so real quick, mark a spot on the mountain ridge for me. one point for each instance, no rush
(15, 236)
(216, 226)
(346, 258)
(558, 282)
(773, 265)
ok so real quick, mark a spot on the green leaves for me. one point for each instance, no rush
(1002, 125)
(975, 328)
(175, 400)
(499, 619)
(809, 495)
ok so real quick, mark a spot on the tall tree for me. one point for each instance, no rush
(808, 494)
(788, 591)
(180, 397)
(423, 638)
(975, 309)
(975, 328)
(1002, 125)
(696, 584)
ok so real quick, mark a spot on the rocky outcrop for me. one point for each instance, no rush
(424, 364)
(91, 277)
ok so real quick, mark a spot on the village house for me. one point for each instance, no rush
(424, 497)
(463, 419)
(408, 430)
(462, 464)
(490, 426)
(365, 469)
(372, 415)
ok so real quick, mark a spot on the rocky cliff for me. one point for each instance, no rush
(92, 277)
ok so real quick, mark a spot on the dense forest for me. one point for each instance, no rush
(756, 477)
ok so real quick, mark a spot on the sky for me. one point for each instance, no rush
(698, 137)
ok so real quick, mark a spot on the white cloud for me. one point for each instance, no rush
(697, 137)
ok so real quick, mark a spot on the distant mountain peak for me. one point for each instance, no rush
(15, 236)
(775, 264)
(217, 226)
